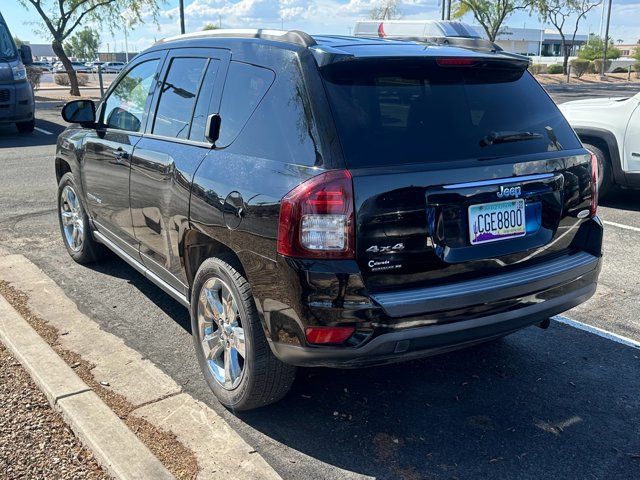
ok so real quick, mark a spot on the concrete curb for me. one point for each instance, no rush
(116, 447)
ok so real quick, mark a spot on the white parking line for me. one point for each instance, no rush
(597, 331)
(621, 225)
(42, 130)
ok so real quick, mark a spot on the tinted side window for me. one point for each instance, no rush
(178, 97)
(282, 128)
(244, 88)
(203, 108)
(125, 107)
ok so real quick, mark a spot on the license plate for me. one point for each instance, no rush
(491, 222)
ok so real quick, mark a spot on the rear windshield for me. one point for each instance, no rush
(398, 114)
(7, 49)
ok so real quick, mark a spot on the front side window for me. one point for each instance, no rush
(178, 97)
(125, 107)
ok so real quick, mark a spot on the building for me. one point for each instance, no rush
(537, 42)
(42, 51)
(628, 50)
(115, 56)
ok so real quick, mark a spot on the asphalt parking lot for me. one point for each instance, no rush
(555, 403)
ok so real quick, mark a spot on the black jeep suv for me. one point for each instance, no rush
(332, 201)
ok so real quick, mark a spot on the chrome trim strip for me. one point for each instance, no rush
(142, 269)
(498, 181)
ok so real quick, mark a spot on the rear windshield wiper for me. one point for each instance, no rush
(506, 137)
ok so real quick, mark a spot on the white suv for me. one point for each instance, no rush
(610, 128)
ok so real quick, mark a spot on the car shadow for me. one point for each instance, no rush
(622, 200)
(556, 403)
(11, 138)
(552, 404)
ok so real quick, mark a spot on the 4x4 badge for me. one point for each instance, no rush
(506, 192)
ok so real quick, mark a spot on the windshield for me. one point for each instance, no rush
(7, 49)
(399, 113)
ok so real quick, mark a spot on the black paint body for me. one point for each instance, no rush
(164, 201)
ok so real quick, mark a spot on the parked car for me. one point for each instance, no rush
(77, 66)
(17, 105)
(93, 66)
(610, 128)
(113, 67)
(43, 66)
(332, 201)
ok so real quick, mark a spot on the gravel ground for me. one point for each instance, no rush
(180, 461)
(35, 443)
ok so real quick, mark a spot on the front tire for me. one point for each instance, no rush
(605, 172)
(26, 127)
(229, 340)
(74, 223)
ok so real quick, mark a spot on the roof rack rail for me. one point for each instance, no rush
(296, 37)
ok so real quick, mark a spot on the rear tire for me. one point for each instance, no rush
(225, 325)
(605, 172)
(26, 127)
(74, 224)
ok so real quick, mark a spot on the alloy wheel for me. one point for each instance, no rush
(72, 219)
(220, 333)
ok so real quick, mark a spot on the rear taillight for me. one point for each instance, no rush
(328, 335)
(595, 178)
(316, 218)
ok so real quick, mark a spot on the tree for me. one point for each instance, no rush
(558, 12)
(490, 14)
(84, 44)
(60, 18)
(385, 10)
(210, 26)
(595, 49)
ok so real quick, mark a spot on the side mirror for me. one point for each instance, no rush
(26, 55)
(80, 111)
(212, 129)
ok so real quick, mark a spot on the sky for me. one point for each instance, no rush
(312, 16)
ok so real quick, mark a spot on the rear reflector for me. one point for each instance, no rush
(595, 178)
(328, 335)
(455, 62)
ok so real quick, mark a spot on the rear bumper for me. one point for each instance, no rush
(412, 343)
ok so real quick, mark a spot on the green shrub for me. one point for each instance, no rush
(537, 68)
(555, 69)
(579, 67)
(636, 68)
(597, 63)
(63, 79)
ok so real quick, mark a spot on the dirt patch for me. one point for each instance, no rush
(34, 440)
(179, 460)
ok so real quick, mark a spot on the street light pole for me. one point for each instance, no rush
(444, 6)
(126, 43)
(606, 40)
(182, 16)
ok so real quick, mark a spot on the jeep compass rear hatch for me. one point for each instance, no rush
(462, 167)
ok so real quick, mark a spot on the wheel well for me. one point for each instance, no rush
(597, 142)
(198, 247)
(62, 167)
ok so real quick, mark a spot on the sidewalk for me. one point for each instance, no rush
(189, 438)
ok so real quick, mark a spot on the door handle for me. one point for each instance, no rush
(635, 154)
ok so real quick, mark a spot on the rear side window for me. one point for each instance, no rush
(396, 114)
(244, 88)
(178, 97)
(203, 105)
